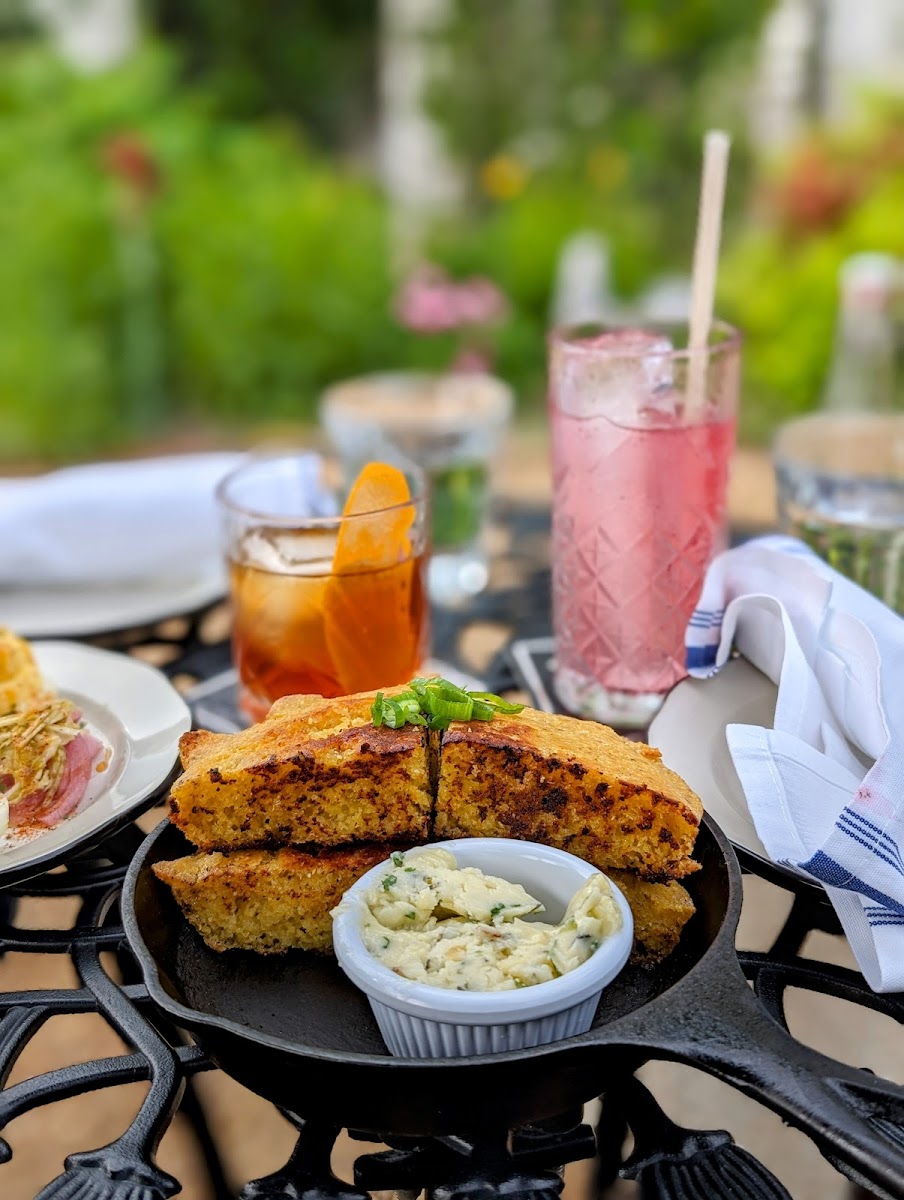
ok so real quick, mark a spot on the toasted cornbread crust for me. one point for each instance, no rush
(274, 901)
(660, 910)
(266, 901)
(571, 784)
(281, 783)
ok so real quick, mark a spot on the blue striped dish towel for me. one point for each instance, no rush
(824, 785)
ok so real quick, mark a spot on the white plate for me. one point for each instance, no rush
(78, 611)
(689, 729)
(138, 713)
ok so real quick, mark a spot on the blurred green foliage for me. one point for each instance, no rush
(313, 62)
(271, 266)
(277, 277)
(58, 293)
(176, 241)
(610, 98)
(834, 195)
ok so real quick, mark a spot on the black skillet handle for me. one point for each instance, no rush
(855, 1118)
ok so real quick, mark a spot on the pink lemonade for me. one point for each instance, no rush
(639, 501)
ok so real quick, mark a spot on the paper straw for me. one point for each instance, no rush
(706, 261)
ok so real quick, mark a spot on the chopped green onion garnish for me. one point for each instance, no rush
(436, 703)
(448, 691)
(455, 710)
(500, 705)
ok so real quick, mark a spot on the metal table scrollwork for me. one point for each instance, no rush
(669, 1161)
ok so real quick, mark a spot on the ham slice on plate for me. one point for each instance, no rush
(80, 755)
(39, 808)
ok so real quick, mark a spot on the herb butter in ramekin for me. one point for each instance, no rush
(431, 921)
(457, 962)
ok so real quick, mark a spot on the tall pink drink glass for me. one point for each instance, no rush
(641, 443)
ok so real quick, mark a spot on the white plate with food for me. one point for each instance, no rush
(87, 736)
(78, 611)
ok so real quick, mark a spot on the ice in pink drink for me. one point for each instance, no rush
(639, 497)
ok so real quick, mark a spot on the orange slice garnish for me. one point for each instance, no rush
(372, 603)
(375, 537)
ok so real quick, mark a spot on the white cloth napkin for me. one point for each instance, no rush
(113, 522)
(825, 785)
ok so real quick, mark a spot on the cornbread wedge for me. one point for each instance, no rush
(572, 784)
(661, 911)
(271, 901)
(311, 772)
(266, 901)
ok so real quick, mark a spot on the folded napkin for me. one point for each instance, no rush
(825, 785)
(113, 522)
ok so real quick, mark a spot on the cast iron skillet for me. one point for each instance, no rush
(294, 1030)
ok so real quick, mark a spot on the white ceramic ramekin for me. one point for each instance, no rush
(421, 1021)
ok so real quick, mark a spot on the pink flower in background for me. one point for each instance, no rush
(431, 302)
(480, 302)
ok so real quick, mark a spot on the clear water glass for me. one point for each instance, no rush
(840, 484)
(451, 426)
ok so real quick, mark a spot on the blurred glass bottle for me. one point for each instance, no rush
(864, 375)
(840, 472)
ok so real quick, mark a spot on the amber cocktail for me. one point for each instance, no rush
(328, 585)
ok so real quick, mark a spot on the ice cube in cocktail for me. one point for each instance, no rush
(278, 584)
(284, 591)
(639, 485)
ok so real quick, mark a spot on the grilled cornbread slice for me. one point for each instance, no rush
(271, 901)
(571, 784)
(661, 911)
(266, 901)
(315, 771)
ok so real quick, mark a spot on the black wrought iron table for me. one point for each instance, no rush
(667, 1160)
